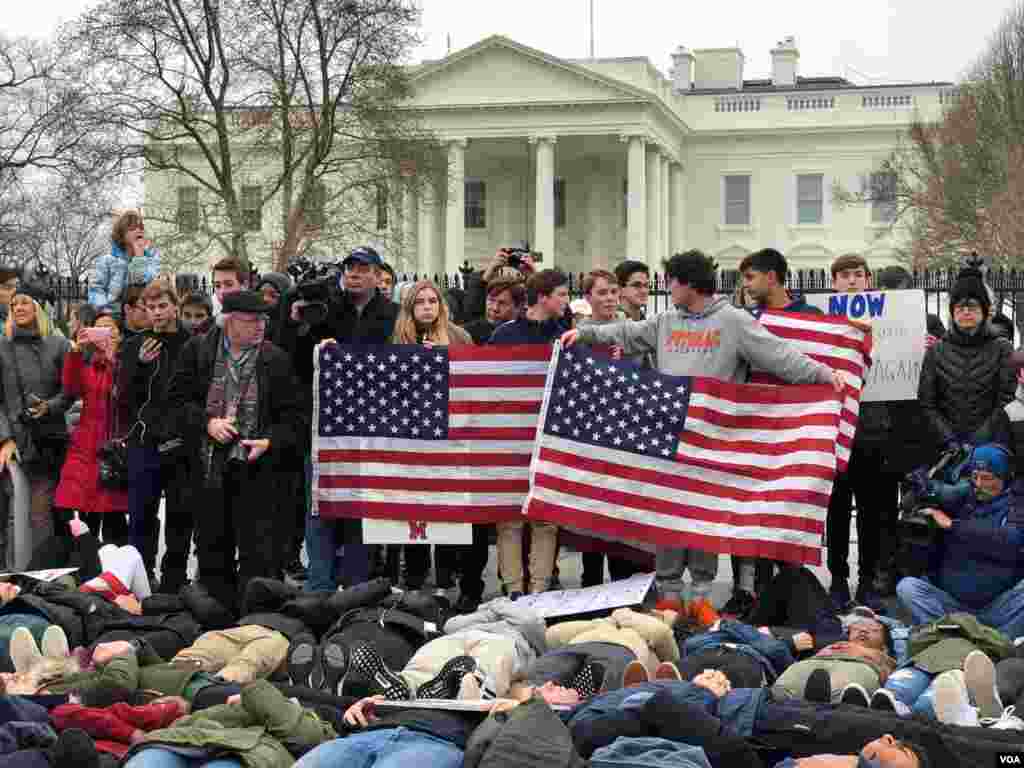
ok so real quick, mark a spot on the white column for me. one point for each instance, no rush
(426, 238)
(455, 221)
(666, 248)
(409, 224)
(654, 249)
(676, 207)
(636, 198)
(544, 208)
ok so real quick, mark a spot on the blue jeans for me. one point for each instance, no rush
(325, 567)
(913, 687)
(926, 603)
(384, 748)
(158, 757)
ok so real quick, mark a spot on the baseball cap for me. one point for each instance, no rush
(364, 254)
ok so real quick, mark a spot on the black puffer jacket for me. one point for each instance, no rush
(964, 382)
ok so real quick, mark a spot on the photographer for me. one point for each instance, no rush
(33, 435)
(236, 394)
(357, 315)
(156, 463)
(515, 263)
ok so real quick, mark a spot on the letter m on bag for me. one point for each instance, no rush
(417, 530)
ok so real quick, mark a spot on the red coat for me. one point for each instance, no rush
(79, 486)
(113, 727)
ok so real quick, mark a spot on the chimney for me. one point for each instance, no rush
(718, 68)
(784, 60)
(682, 70)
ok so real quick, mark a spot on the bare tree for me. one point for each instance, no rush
(255, 103)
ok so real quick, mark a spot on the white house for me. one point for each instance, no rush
(598, 160)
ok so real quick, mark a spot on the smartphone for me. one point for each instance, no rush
(96, 334)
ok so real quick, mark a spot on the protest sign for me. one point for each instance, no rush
(604, 597)
(898, 329)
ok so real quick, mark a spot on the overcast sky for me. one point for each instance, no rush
(868, 40)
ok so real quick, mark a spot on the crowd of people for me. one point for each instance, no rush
(150, 401)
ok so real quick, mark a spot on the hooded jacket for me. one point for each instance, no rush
(719, 342)
(964, 382)
(113, 271)
(982, 554)
(503, 617)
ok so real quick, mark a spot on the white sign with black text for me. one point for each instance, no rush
(898, 328)
(416, 532)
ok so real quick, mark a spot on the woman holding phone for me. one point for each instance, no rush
(93, 380)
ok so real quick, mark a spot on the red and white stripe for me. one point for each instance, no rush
(480, 474)
(838, 344)
(752, 476)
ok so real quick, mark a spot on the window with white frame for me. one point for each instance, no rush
(476, 204)
(810, 198)
(737, 201)
(559, 203)
(883, 197)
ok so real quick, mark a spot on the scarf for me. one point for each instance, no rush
(243, 408)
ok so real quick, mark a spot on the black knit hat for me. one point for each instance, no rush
(970, 285)
(245, 301)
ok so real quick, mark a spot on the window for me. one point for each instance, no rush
(883, 197)
(382, 207)
(737, 201)
(809, 198)
(559, 202)
(188, 209)
(315, 204)
(476, 204)
(252, 209)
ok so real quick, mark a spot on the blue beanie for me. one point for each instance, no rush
(993, 458)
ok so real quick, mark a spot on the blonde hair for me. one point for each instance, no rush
(43, 324)
(406, 331)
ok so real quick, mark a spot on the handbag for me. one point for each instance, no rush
(113, 464)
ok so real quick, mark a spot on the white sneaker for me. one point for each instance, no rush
(952, 702)
(1005, 722)
(980, 678)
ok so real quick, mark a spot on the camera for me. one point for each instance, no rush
(945, 484)
(516, 253)
(316, 283)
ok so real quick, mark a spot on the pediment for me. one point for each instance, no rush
(499, 71)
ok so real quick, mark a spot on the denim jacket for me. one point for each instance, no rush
(773, 655)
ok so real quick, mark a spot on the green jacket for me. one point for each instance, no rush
(143, 670)
(263, 732)
(936, 650)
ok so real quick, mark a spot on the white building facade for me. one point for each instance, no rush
(596, 161)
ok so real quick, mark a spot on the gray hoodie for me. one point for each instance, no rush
(721, 342)
(503, 617)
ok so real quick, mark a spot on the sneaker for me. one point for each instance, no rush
(1007, 721)
(667, 671)
(303, 660)
(703, 612)
(371, 665)
(334, 665)
(55, 643)
(739, 604)
(634, 674)
(445, 684)
(24, 652)
(839, 593)
(980, 679)
(854, 694)
(588, 680)
(951, 701)
(818, 687)
(883, 700)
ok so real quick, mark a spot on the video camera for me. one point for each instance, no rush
(947, 484)
(316, 283)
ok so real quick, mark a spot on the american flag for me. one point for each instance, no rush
(636, 455)
(407, 433)
(836, 343)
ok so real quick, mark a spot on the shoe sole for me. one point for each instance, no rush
(980, 678)
(301, 672)
(334, 664)
(855, 697)
(445, 684)
(882, 702)
(55, 643)
(367, 662)
(947, 698)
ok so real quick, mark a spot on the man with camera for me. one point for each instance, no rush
(157, 462)
(358, 314)
(237, 397)
(514, 264)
